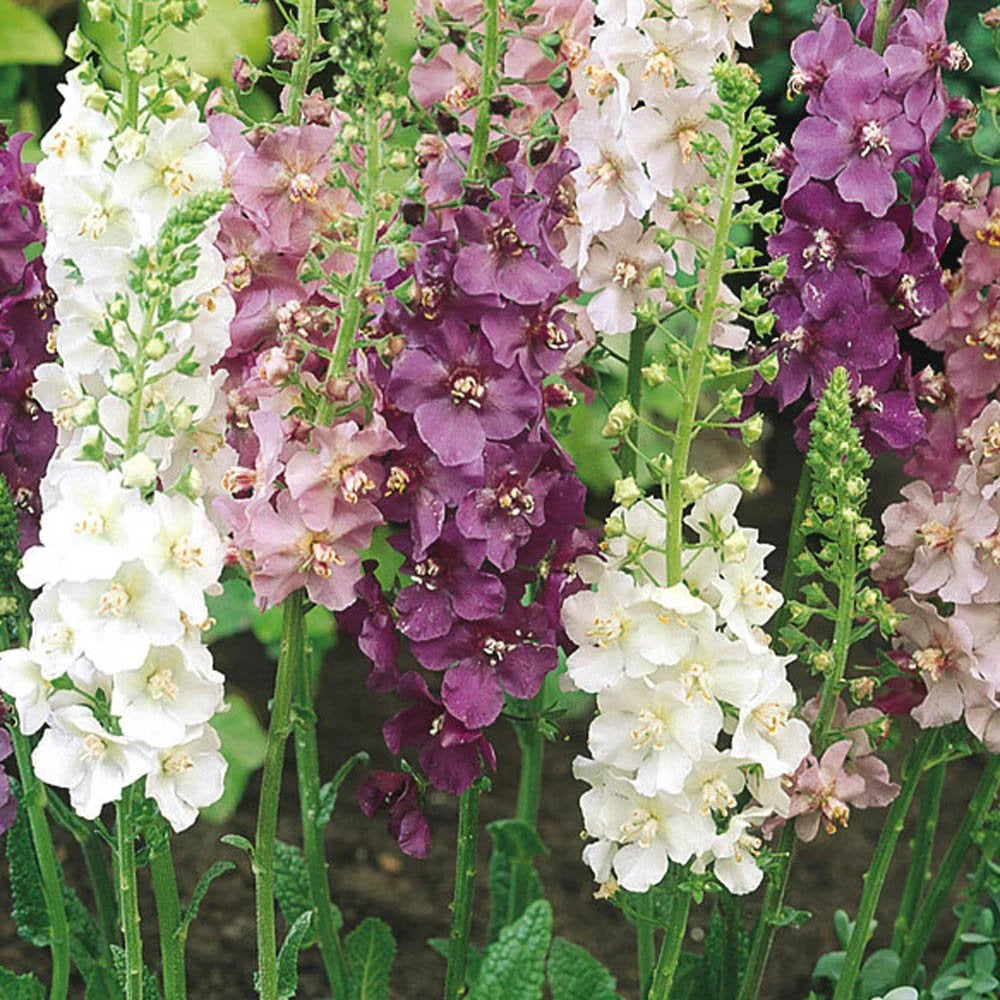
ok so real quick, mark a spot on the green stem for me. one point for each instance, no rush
(949, 870)
(487, 88)
(168, 914)
(350, 318)
(670, 951)
(874, 878)
(100, 881)
(696, 364)
(629, 458)
(302, 70)
(307, 769)
(33, 797)
(292, 645)
(880, 34)
(969, 909)
(796, 543)
(128, 893)
(645, 943)
(732, 930)
(921, 851)
(465, 879)
(131, 81)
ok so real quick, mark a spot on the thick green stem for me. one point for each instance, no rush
(921, 850)
(307, 769)
(645, 943)
(168, 914)
(292, 646)
(33, 802)
(948, 871)
(696, 364)
(732, 932)
(628, 460)
(302, 70)
(128, 893)
(487, 88)
(670, 951)
(130, 79)
(465, 880)
(874, 878)
(880, 34)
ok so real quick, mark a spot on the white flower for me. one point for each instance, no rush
(629, 12)
(642, 545)
(735, 851)
(716, 779)
(77, 753)
(766, 733)
(714, 668)
(120, 618)
(187, 777)
(54, 642)
(724, 23)
(21, 679)
(164, 698)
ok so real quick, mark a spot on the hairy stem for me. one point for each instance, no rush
(949, 870)
(128, 893)
(465, 880)
(302, 70)
(307, 769)
(874, 878)
(645, 943)
(168, 914)
(670, 951)
(487, 88)
(292, 645)
(921, 850)
(33, 798)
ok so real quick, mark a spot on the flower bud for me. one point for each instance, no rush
(753, 428)
(768, 368)
(693, 486)
(75, 46)
(286, 46)
(621, 417)
(99, 10)
(734, 548)
(626, 492)
(123, 384)
(655, 374)
(139, 470)
(139, 59)
(156, 348)
(614, 527)
(862, 688)
(748, 478)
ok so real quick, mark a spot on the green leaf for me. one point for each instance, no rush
(233, 610)
(328, 793)
(473, 959)
(150, 984)
(369, 951)
(830, 966)
(239, 842)
(204, 884)
(288, 957)
(878, 974)
(244, 745)
(514, 966)
(28, 908)
(25, 38)
(574, 974)
(515, 846)
(14, 987)
(291, 881)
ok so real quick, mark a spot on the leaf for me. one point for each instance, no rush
(204, 884)
(515, 845)
(575, 974)
(244, 745)
(830, 966)
(473, 959)
(25, 38)
(14, 987)
(514, 966)
(369, 951)
(239, 842)
(328, 793)
(233, 610)
(288, 957)
(291, 881)
(150, 984)
(878, 974)
(28, 909)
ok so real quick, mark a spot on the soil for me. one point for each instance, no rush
(371, 877)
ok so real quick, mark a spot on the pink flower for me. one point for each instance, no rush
(824, 790)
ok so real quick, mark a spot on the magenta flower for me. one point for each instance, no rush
(371, 622)
(397, 793)
(8, 803)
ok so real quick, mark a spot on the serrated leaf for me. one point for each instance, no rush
(288, 957)
(515, 846)
(28, 909)
(291, 881)
(244, 746)
(14, 987)
(369, 951)
(514, 965)
(328, 793)
(204, 884)
(574, 974)
(26, 39)
(150, 984)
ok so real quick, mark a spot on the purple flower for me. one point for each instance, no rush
(486, 659)
(451, 754)
(459, 396)
(371, 622)
(398, 794)
(8, 803)
(818, 54)
(447, 585)
(537, 338)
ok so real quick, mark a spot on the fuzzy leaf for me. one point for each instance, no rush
(369, 951)
(150, 984)
(288, 957)
(14, 987)
(515, 845)
(204, 884)
(28, 908)
(575, 974)
(291, 881)
(328, 793)
(514, 966)
(878, 974)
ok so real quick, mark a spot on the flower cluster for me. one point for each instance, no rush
(675, 670)
(116, 672)
(859, 256)
(27, 434)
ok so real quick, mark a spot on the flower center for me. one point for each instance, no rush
(602, 82)
(651, 732)
(437, 724)
(823, 248)
(177, 762)
(640, 828)
(57, 638)
(627, 272)
(94, 749)
(494, 649)
(991, 440)
(515, 502)
(94, 223)
(607, 630)
(426, 572)
(868, 397)
(932, 661)
(936, 535)
(185, 553)
(872, 137)
(324, 558)
(987, 338)
(607, 172)
(716, 796)
(684, 134)
(114, 601)
(161, 685)
(772, 716)
(660, 64)
(398, 481)
(990, 233)
(354, 484)
(505, 240)
(695, 678)
(176, 179)
(238, 272)
(467, 389)
(794, 340)
(89, 523)
(303, 188)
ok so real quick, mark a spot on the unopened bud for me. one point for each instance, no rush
(621, 417)
(655, 374)
(156, 348)
(626, 492)
(862, 688)
(123, 384)
(753, 428)
(139, 59)
(139, 470)
(693, 486)
(748, 478)
(734, 548)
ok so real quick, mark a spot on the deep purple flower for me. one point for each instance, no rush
(459, 396)
(398, 794)
(8, 803)
(537, 337)
(486, 659)
(451, 755)
(447, 585)
(371, 622)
